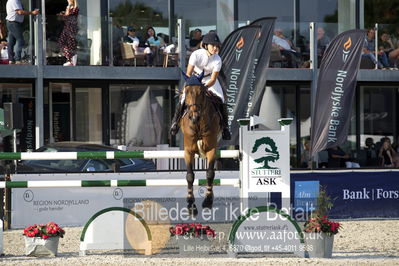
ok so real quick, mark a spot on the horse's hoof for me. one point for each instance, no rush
(208, 202)
(190, 200)
(192, 209)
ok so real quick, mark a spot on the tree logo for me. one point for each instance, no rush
(271, 152)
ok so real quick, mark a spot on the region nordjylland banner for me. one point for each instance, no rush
(335, 90)
(238, 54)
(261, 62)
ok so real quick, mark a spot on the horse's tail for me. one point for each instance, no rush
(200, 149)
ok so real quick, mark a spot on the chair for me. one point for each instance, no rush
(366, 63)
(277, 59)
(53, 54)
(128, 54)
(170, 57)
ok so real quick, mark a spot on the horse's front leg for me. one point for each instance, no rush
(192, 208)
(210, 176)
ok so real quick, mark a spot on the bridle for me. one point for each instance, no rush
(195, 108)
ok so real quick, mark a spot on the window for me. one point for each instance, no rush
(139, 114)
(378, 119)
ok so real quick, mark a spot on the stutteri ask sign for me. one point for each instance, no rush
(265, 163)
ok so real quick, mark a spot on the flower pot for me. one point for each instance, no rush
(319, 245)
(39, 247)
(193, 245)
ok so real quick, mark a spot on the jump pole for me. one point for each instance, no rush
(114, 183)
(107, 155)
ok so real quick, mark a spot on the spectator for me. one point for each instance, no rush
(155, 43)
(164, 37)
(15, 18)
(3, 52)
(387, 154)
(322, 41)
(135, 42)
(371, 152)
(388, 46)
(153, 39)
(306, 160)
(379, 144)
(3, 30)
(195, 40)
(369, 50)
(286, 48)
(336, 154)
(68, 42)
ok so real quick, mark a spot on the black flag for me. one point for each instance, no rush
(261, 62)
(238, 54)
(335, 90)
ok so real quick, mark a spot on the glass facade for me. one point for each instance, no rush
(139, 114)
(17, 93)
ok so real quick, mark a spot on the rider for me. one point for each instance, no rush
(208, 61)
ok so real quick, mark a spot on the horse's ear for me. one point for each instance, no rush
(184, 75)
(201, 76)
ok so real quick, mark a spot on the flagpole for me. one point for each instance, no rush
(313, 66)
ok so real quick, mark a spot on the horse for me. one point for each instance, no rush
(201, 128)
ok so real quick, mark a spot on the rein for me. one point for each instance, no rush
(198, 105)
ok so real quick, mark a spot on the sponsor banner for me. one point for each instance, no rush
(74, 206)
(261, 62)
(267, 161)
(238, 54)
(335, 90)
(267, 230)
(358, 194)
(306, 193)
(27, 135)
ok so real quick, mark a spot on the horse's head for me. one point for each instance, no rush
(195, 96)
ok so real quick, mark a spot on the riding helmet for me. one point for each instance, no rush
(211, 38)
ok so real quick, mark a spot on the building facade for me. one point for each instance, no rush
(112, 100)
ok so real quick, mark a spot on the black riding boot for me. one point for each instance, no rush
(224, 123)
(175, 121)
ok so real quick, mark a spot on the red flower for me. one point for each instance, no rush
(191, 230)
(321, 224)
(44, 230)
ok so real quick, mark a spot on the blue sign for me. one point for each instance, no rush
(357, 194)
(306, 193)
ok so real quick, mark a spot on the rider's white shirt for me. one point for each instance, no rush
(209, 64)
(202, 62)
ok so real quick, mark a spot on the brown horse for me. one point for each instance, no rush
(200, 125)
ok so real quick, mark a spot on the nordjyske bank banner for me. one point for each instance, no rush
(238, 53)
(357, 194)
(335, 90)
